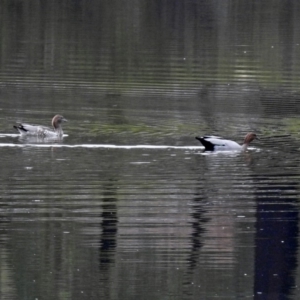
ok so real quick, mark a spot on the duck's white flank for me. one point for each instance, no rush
(42, 131)
(213, 143)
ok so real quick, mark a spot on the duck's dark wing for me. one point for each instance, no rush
(20, 128)
(210, 142)
(31, 129)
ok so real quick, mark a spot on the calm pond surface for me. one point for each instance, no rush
(127, 205)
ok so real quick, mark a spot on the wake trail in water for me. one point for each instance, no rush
(108, 146)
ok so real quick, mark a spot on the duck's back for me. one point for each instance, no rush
(212, 143)
(227, 145)
(28, 129)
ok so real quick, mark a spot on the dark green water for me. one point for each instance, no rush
(128, 206)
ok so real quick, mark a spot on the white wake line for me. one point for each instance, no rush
(2, 135)
(96, 146)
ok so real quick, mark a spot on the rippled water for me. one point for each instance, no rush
(127, 205)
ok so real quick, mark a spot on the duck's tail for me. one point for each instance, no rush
(20, 128)
(207, 145)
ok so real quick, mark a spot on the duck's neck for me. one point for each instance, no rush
(58, 130)
(245, 146)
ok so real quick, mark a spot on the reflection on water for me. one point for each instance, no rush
(147, 45)
(277, 229)
(127, 205)
(199, 216)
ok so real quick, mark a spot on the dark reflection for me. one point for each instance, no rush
(271, 101)
(198, 230)
(198, 220)
(276, 238)
(145, 43)
(108, 238)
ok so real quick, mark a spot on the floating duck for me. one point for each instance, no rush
(42, 131)
(215, 143)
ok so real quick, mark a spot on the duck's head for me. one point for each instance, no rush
(250, 137)
(57, 121)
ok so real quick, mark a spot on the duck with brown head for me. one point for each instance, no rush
(42, 131)
(213, 143)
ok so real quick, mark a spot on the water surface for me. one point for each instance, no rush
(127, 205)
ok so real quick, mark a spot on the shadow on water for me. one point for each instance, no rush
(276, 238)
(212, 223)
(198, 220)
(108, 237)
(196, 241)
(109, 216)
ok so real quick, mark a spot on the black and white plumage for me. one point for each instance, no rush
(214, 143)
